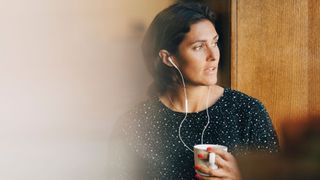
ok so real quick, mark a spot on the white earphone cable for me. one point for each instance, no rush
(186, 110)
(186, 107)
(207, 109)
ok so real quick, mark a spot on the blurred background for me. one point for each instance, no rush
(69, 69)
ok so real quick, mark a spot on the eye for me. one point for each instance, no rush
(214, 44)
(198, 47)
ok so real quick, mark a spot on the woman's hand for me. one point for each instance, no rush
(227, 166)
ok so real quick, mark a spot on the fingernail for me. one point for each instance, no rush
(197, 167)
(197, 176)
(209, 148)
(200, 156)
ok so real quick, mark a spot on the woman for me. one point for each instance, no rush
(186, 106)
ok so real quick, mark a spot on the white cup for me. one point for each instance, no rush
(202, 149)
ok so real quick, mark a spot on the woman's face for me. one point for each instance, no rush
(199, 54)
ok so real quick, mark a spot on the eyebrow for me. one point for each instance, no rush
(216, 37)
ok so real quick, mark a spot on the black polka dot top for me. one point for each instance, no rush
(237, 121)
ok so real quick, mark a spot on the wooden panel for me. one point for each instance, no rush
(314, 58)
(275, 55)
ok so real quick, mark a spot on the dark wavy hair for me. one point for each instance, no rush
(167, 31)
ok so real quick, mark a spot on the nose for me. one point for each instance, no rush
(212, 53)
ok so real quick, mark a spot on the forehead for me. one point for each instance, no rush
(202, 30)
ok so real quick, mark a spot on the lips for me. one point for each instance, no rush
(211, 68)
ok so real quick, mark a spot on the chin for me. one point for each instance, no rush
(209, 82)
(212, 81)
(206, 81)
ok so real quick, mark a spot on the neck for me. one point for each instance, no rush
(197, 98)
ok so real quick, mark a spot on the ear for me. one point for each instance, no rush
(164, 55)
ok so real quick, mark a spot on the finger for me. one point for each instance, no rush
(198, 176)
(203, 169)
(203, 156)
(221, 163)
(219, 173)
(212, 172)
(228, 168)
(223, 154)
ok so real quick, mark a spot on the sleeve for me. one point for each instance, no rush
(263, 137)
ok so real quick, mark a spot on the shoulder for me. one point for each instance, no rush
(242, 100)
(140, 111)
(136, 117)
(146, 107)
(238, 95)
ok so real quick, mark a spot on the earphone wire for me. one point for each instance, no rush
(186, 110)
(207, 109)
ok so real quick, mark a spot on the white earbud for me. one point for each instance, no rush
(173, 63)
(186, 107)
(185, 103)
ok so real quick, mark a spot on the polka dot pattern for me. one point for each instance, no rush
(237, 121)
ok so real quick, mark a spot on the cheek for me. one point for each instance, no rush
(192, 61)
(194, 67)
(217, 52)
(196, 57)
(190, 58)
